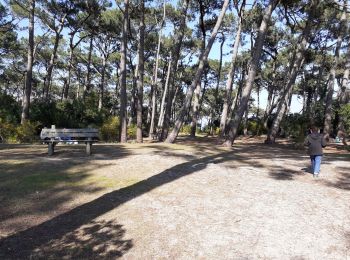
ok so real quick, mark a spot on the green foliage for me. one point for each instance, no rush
(132, 131)
(295, 125)
(9, 110)
(68, 114)
(109, 131)
(344, 112)
(6, 131)
(186, 129)
(27, 132)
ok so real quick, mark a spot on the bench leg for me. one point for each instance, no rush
(88, 148)
(51, 149)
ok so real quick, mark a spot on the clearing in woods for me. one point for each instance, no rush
(193, 199)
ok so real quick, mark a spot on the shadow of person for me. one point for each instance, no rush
(307, 170)
(23, 244)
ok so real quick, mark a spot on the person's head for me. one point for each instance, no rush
(314, 129)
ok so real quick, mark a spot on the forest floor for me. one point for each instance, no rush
(191, 200)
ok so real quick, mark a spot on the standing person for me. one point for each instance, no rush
(315, 142)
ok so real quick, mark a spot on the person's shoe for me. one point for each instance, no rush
(316, 175)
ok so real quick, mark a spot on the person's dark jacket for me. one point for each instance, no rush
(315, 143)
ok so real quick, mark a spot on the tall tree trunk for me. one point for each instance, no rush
(48, 78)
(197, 92)
(202, 61)
(162, 105)
(229, 82)
(102, 83)
(155, 77)
(140, 75)
(234, 124)
(295, 65)
(331, 82)
(70, 67)
(29, 72)
(132, 115)
(123, 97)
(215, 107)
(175, 54)
(88, 70)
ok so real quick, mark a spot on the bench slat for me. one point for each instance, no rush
(69, 133)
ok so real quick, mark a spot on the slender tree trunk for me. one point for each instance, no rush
(202, 61)
(155, 77)
(102, 84)
(133, 100)
(197, 92)
(251, 74)
(140, 75)
(331, 82)
(215, 107)
(70, 67)
(174, 61)
(162, 105)
(229, 82)
(29, 72)
(48, 78)
(295, 65)
(88, 70)
(123, 55)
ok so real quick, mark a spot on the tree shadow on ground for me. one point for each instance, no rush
(39, 184)
(343, 179)
(22, 245)
(96, 240)
(27, 243)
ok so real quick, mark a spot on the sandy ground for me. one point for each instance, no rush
(191, 200)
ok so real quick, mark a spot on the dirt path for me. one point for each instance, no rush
(192, 200)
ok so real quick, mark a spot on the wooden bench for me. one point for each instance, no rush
(52, 136)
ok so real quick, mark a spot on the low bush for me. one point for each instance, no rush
(109, 131)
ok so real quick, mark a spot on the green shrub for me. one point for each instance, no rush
(109, 130)
(27, 132)
(132, 131)
(186, 129)
(7, 131)
(344, 112)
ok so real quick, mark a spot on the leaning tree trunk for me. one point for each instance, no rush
(29, 72)
(123, 98)
(197, 92)
(202, 61)
(234, 124)
(140, 75)
(165, 91)
(229, 82)
(297, 61)
(155, 77)
(330, 88)
(53, 57)
(175, 57)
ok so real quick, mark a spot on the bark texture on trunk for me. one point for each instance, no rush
(29, 72)
(123, 56)
(202, 61)
(140, 73)
(174, 62)
(246, 91)
(295, 65)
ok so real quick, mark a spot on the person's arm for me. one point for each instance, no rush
(306, 142)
